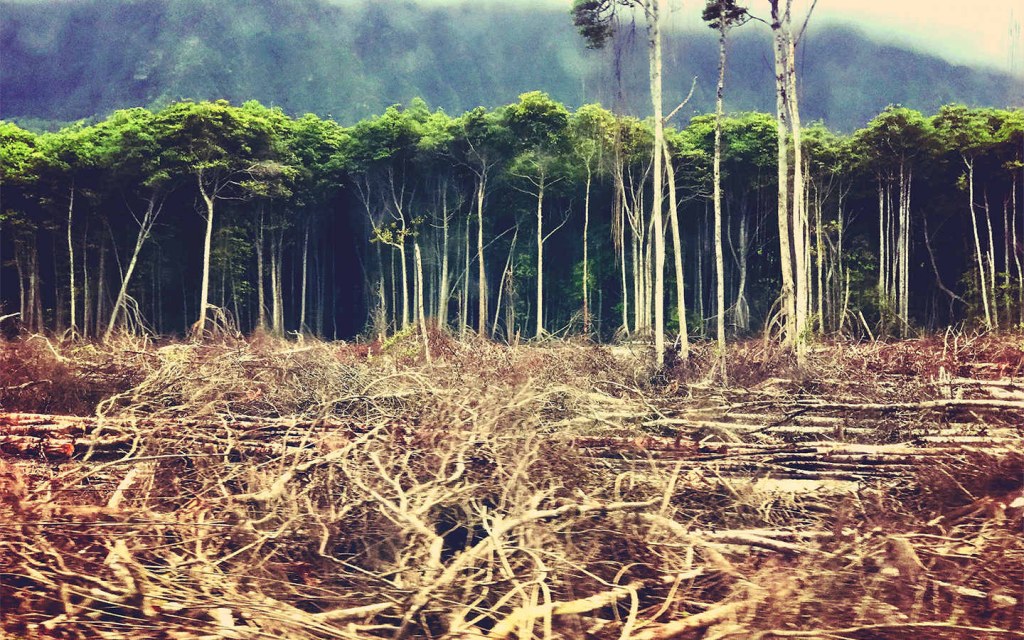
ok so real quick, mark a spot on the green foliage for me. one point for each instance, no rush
(723, 14)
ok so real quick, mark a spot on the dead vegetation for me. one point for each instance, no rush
(261, 489)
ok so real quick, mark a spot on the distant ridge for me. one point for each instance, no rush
(68, 60)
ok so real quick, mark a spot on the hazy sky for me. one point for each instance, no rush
(975, 31)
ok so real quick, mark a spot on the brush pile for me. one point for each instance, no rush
(263, 489)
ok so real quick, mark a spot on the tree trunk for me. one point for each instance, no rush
(302, 289)
(279, 283)
(1016, 254)
(586, 265)
(654, 31)
(991, 262)
(204, 290)
(260, 297)
(152, 211)
(719, 253)
(442, 298)
(677, 255)
(464, 306)
(406, 307)
(799, 219)
(742, 313)
(977, 242)
(788, 298)
(482, 274)
(71, 261)
(421, 316)
(540, 257)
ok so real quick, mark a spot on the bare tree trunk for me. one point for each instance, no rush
(275, 324)
(619, 239)
(677, 255)
(420, 314)
(991, 262)
(482, 274)
(883, 257)
(1006, 262)
(820, 251)
(204, 290)
(464, 307)
(789, 302)
(586, 264)
(742, 313)
(654, 32)
(540, 257)
(260, 297)
(800, 224)
(406, 306)
(279, 283)
(145, 227)
(719, 253)
(71, 260)
(101, 290)
(302, 289)
(977, 243)
(507, 283)
(1016, 254)
(442, 298)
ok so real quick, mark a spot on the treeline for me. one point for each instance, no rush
(518, 221)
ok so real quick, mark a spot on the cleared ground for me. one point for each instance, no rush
(264, 489)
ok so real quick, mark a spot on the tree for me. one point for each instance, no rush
(595, 20)
(969, 132)
(539, 124)
(232, 154)
(721, 15)
(482, 143)
(888, 147)
(792, 216)
(19, 172)
(592, 137)
(135, 162)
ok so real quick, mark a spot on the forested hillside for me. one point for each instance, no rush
(349, 60)
(483, 219)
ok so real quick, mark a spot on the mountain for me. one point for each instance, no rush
(69, 59)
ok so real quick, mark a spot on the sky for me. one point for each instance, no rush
(975, 32)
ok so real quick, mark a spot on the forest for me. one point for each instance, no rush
(520, 221)
(533, 370)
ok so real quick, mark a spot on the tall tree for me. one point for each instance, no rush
(721, 15)
(229, 153)
(595, 20)
(539, 124)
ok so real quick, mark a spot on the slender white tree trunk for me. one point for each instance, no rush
(420, 311)
(482, 274)
(677, 255)
(586, 264)
(302, 288)
(442, 298)
(260, 280)
(654, 27)
(788, 298)
(540, 257)
(152, 211)
(800, 224)
(991, 262)
(71, 261)
(719, 252)
(204, 290)
(977, 243)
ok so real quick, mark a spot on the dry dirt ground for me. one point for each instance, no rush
(265, 489)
